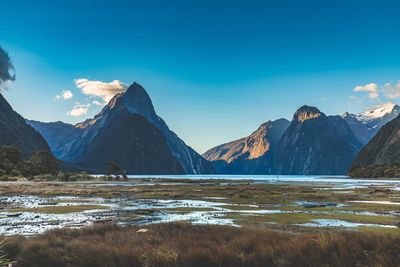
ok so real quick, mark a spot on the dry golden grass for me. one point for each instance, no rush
(201, 246)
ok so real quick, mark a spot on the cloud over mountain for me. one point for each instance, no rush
(391, 91)
(371, 88)
(79, 110)
(388, 90)
(100, 89)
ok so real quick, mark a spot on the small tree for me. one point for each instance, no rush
(114, 169)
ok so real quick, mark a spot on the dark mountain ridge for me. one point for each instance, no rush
(381, 156)
(14, 131)
(316, 144)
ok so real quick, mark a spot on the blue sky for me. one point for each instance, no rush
(215, 70)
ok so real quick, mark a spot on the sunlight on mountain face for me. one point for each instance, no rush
(307, 113)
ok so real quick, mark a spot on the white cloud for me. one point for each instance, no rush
(99, 103)
(375, 91)
(391, 91)
(66, 94)
(79, 110)
(100, 89)
(372, 89)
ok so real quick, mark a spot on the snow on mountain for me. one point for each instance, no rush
(366, 125)
(378, 112)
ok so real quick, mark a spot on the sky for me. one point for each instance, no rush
(215, 70)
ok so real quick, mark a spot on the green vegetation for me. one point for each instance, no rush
(42, 166)
(376, 171)
(13, 164)
(198, 246)
(4, 261)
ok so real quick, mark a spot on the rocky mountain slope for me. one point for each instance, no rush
(381, 156)
(131, 142)
(59, 135)
(97, 132)
(312, 143)
(253, 154)
(365, 125)
(316, 144)
(14, 131)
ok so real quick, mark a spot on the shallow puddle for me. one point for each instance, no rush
(341, 223)
(376, 202)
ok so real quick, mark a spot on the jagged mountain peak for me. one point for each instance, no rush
(307, 113)
(264, 126)
(137, 100)
(346, 114)
(135, 89)
(367, 123)
(378, 111)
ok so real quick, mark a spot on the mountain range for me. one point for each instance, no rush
(312, 143)
(129, 133)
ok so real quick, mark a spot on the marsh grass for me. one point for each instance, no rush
(199, 246)
(4, 260)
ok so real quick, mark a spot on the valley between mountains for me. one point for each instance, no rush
(128, 133)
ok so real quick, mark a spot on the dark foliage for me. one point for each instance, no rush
(116, 170)
(13, 164)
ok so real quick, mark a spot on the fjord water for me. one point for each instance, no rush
(339, 179)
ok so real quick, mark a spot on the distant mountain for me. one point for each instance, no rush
(316, 144)
(116, 135)
(59, 135)
(249, 155)
(366, 124)
(14, 131)
(381, 156)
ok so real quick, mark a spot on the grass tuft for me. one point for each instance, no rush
(178, 245)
